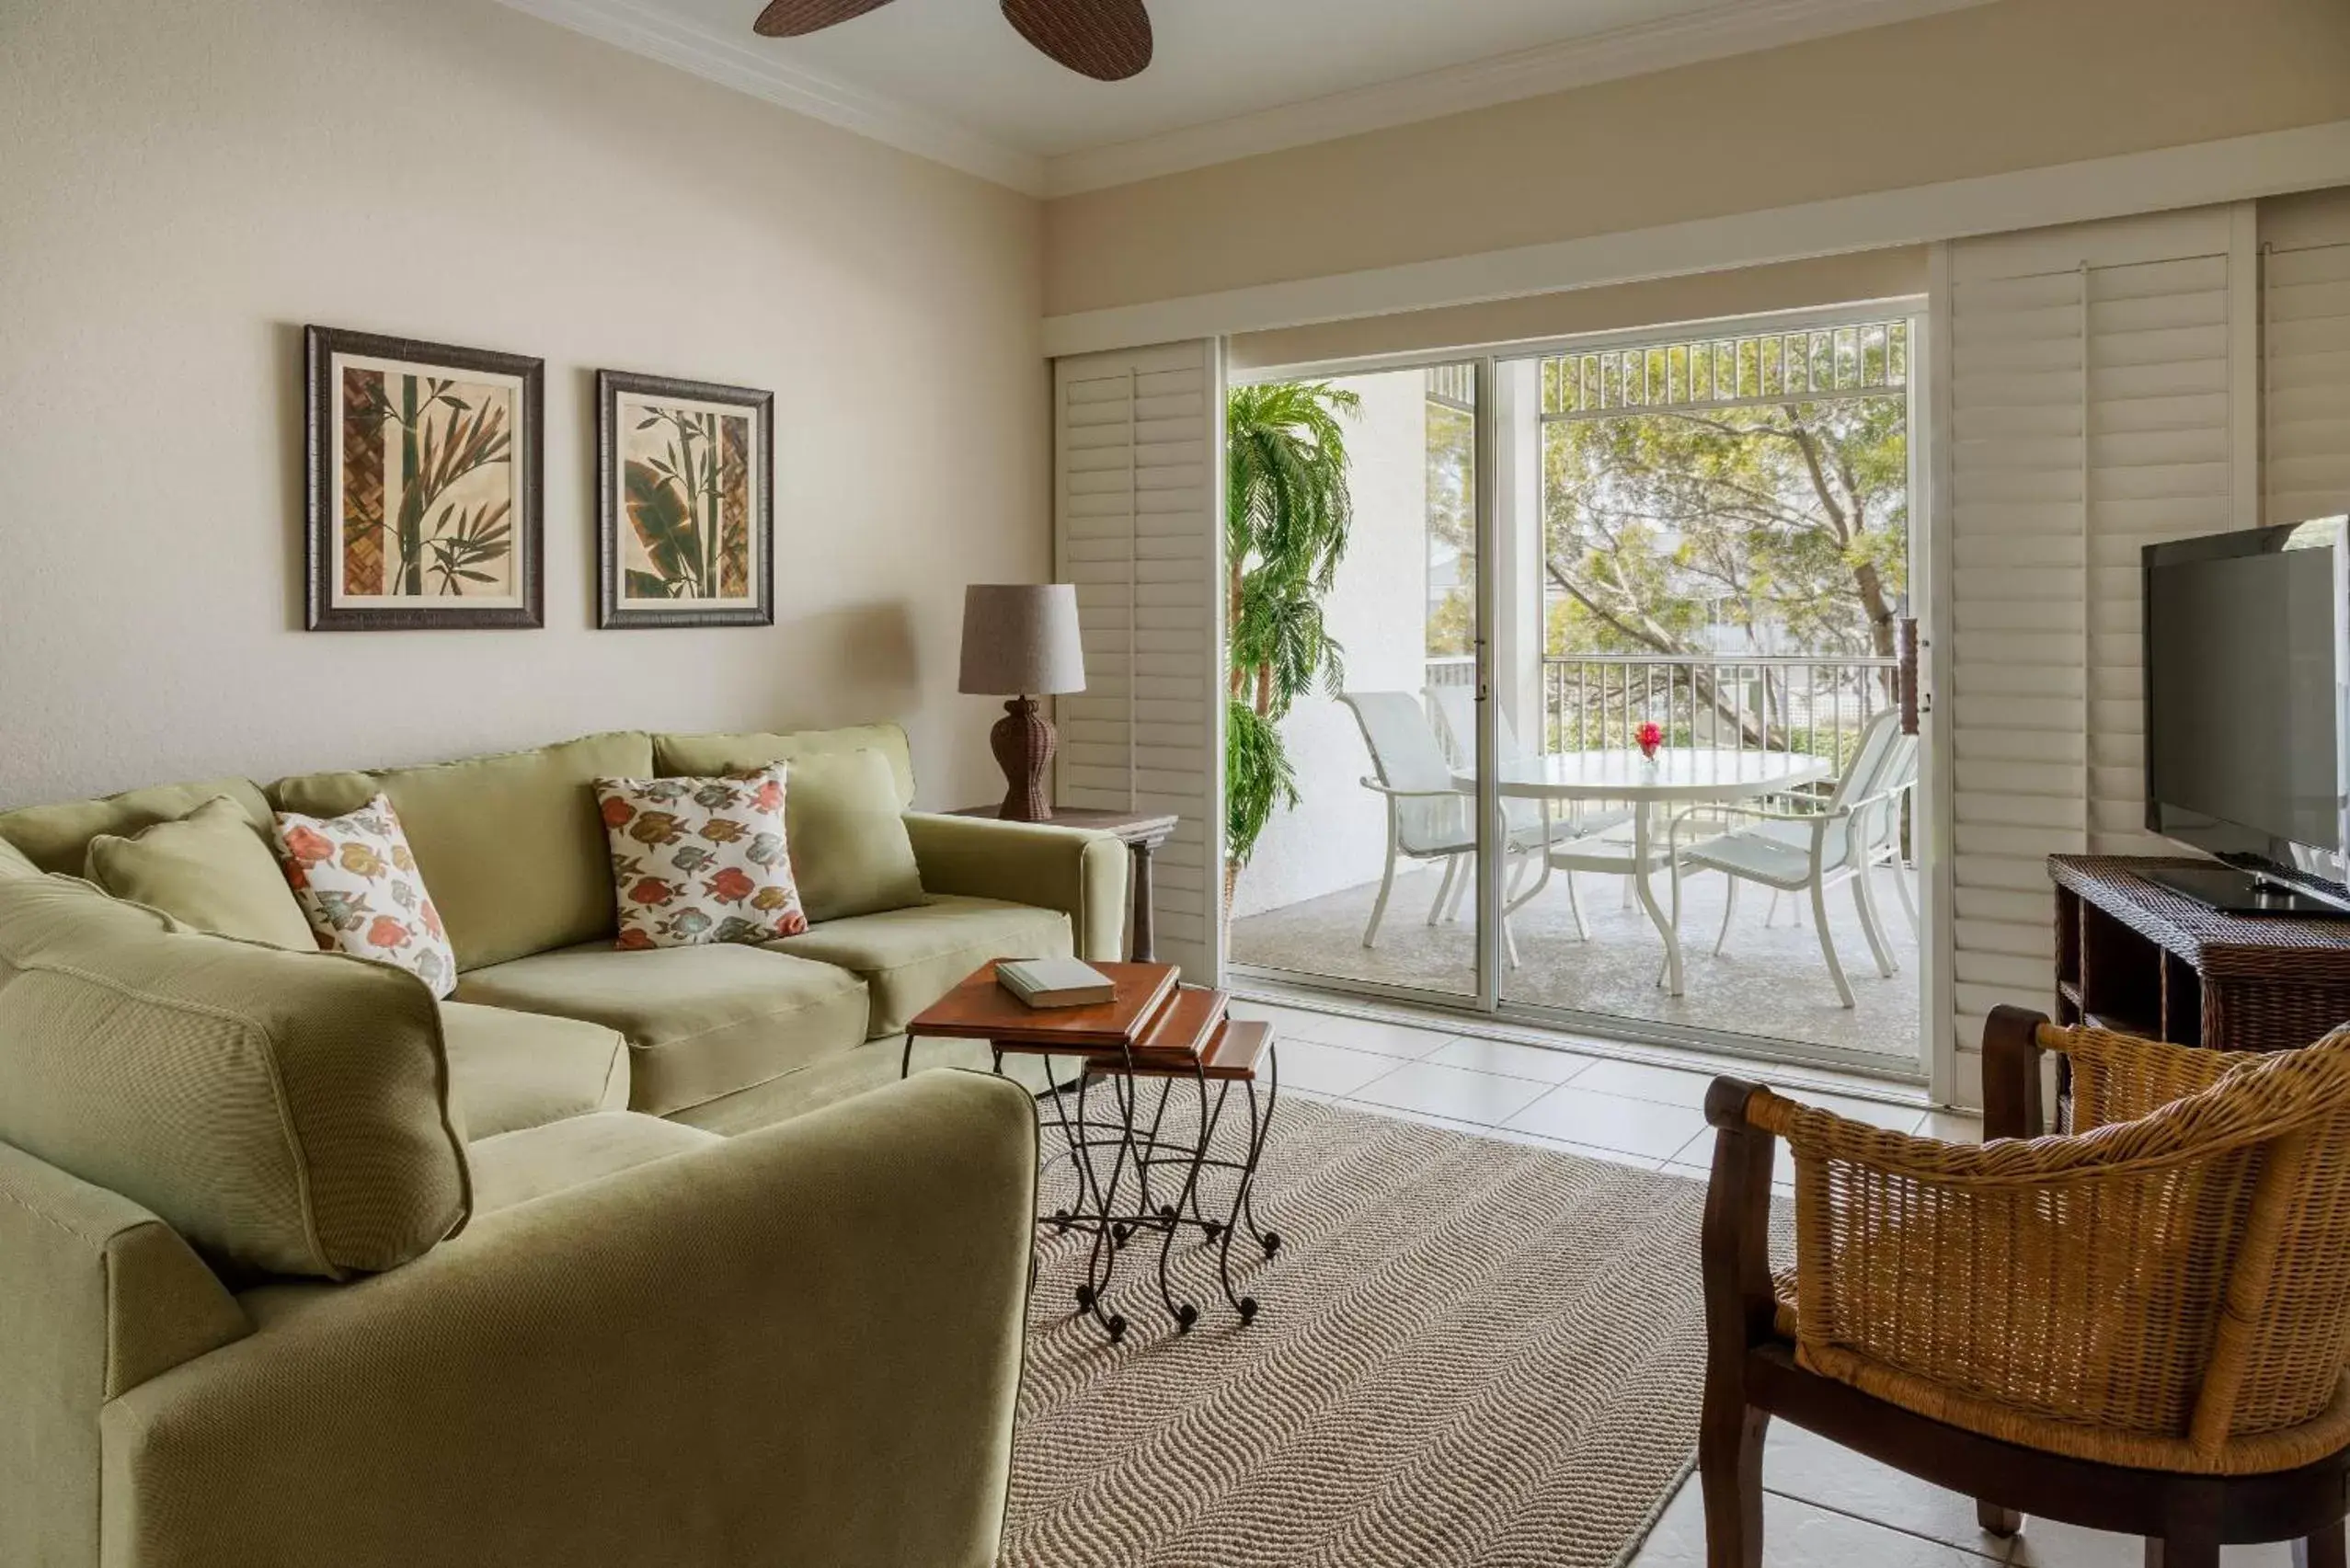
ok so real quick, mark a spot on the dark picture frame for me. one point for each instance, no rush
(464, 550)
(685, 501)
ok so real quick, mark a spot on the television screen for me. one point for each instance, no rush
(2247, 646)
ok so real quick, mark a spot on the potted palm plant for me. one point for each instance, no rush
(1286, 517)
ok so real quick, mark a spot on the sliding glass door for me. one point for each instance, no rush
(1548, 565)
(1702, 551)
(1353, 606)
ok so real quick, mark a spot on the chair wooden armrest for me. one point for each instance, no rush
(2110, 1078)
(1734, 1237)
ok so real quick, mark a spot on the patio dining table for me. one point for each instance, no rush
(1678, 776)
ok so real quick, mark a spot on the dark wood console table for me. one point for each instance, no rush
(2139, 959)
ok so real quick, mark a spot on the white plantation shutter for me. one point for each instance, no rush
(2305, 329)
(2098, 400)
(1136, 438)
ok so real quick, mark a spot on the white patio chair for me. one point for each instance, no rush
(1797, 849)
(1456, 707)
(1428, 817)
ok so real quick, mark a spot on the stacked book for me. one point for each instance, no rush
(1055, 983)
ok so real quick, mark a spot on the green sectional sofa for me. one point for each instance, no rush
(609, 1257)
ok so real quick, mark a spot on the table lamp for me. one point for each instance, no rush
(1020, 640)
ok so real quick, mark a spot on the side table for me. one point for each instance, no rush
(1143, 832)
(1154, 1028)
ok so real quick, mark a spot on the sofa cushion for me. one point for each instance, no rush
(851, 854)
(909, 959)
(57, 838)
(515, 1167)
(208, 870)
(510, 1070)
(699, 860)
(287, 1113)
(701, 1022)
(743, 753)
(510, 845)
(362, 892)
(14, 862)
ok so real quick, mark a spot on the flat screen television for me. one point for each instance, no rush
(2247, 714)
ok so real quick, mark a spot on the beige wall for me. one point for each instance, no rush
(2016, 85)
(183, 185)
(1699, 296)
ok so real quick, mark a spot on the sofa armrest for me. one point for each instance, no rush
(96, 1296)
(801, 1345)
(1079, 872)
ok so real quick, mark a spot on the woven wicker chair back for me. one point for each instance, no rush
(2167, 1285)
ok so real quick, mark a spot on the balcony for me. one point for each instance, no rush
(1769, 981)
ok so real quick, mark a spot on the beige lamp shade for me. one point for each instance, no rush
(1021, 639)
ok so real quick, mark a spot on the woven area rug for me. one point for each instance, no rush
(1472, 1354)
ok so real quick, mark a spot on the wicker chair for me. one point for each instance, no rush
(2141, 1325)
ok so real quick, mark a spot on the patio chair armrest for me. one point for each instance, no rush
(1393, 793)
(1734, 808)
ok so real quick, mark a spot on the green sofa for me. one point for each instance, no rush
(609, 1257)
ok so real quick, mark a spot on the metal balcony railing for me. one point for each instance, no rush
(1813, 704)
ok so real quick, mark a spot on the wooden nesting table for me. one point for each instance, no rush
(1154, 1030)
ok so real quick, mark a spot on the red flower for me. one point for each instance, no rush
(732, 885)
(388, 932)
(770, 796)
(1649, 737)
(616, 812)
(634, 940)
(307, 844)
(652, 890)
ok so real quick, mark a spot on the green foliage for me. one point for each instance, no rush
(1258, 778)
(1452, 520)
(1288, 514)
(1452, 625)
(443, 438)
(676, 504)
(1792, 514)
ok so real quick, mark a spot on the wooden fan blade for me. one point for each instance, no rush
(795, 19)
(1106, 40)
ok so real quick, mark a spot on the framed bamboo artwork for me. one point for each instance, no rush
(424, 481)
(686, 525)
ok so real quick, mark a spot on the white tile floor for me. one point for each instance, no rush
(1826, 1507)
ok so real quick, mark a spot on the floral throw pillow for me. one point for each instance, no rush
(358, 888)
(699, 860)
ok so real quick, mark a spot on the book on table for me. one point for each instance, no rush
(1055, 983)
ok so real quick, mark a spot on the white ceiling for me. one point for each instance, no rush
(1213, 58)
(952, 80)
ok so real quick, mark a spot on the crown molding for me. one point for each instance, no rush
(1738, 27)
(763, 74)
(2199, 173)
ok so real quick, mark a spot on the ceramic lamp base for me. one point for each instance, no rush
(1023, 742)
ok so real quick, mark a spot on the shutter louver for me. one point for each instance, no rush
(2091, 373)
(1134, 530)
(2306, 381)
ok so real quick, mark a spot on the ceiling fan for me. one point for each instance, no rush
(1106, 40)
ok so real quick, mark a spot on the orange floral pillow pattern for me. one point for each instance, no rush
(699, 860)
(359, 886)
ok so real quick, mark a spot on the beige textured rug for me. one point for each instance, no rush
(1472, 1354)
